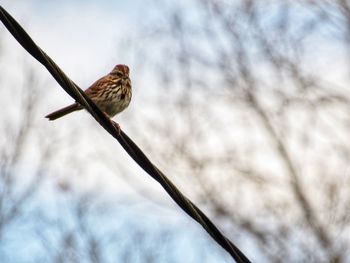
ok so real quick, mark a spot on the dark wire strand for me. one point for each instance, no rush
(130, 147)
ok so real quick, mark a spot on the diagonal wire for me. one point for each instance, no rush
(130, 147)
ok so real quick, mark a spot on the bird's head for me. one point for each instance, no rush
(121, 70)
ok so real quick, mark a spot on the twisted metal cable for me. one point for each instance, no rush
(129, 146)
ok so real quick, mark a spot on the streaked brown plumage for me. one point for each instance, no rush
(111, 93)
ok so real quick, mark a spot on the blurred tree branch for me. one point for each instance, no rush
(260, 88)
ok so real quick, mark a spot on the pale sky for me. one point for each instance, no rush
(64, 28)
(81, 38)
(64, 36)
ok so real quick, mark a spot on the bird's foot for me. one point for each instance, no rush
(115, 124)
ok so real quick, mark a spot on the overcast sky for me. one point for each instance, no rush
(81, 38)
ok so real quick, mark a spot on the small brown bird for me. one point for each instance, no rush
(111, 93)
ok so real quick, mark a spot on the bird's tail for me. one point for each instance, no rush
(64, 111)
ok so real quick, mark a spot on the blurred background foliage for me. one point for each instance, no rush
(244, 105)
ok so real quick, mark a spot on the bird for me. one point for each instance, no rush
(112, 94)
